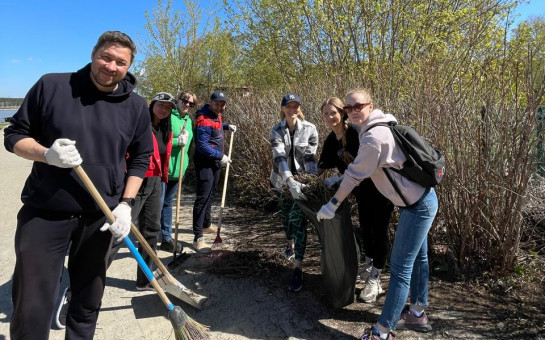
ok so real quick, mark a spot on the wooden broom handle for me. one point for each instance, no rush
(111, 218)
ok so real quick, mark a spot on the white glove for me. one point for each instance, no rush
(225, 160)
(330, 182)
(122, 224)
(295, 189)
(183, 137)
(63, 154)
(327, 212)
(232, 128)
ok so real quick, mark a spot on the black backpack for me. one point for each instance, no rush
(425, 165)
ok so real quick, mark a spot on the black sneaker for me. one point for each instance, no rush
(62, 309)
(296, 280)
(169, 246)
(146, 287)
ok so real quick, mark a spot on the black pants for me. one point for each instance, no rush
(146, 215)
(374, 211)
(41, 242)
(207, 182)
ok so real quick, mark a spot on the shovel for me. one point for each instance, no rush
(218, 237)
(166, 281)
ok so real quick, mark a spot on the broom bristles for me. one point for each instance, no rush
(185, 328)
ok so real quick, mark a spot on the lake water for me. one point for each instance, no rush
(6, 113)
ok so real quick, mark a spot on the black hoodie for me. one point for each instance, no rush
(105, 126)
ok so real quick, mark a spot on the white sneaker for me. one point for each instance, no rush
(201, 246)
(371, 291)
(62, 309)
(365, 271)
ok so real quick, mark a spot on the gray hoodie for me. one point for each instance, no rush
(378, 150)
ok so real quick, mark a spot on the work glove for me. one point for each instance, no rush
(327, 212)
(332, 181)
(232, 128)
(183, 137)
(225, 160)
(295, 189)
(63, 154)
(122, 224)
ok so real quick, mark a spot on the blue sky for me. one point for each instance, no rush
(40, 36)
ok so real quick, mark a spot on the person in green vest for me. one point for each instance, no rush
(182, 129)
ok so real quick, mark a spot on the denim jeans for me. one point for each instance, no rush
(170, 190)
(409, 268)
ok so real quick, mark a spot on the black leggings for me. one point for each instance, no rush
(374, 212)
(207, 182)
(146, 215)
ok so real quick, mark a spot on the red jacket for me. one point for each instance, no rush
(159, 166)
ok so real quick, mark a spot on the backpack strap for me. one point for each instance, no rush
(396, 188)
(392, 182)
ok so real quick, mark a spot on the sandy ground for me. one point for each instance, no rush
(255, 303)
(235, 309)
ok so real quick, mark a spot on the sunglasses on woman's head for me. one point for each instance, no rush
(357, 107)
(185, 101)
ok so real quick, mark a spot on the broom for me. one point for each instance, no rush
(218, 237)
(185, 327)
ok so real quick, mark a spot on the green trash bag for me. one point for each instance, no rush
(339, 254)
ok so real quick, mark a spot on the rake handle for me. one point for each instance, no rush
(178, 194)
(111, 218)
(225, 183)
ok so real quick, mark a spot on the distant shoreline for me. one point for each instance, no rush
(9, 109)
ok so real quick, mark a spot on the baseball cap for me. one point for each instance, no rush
(290, 97)
(164, 97)
(218, 96)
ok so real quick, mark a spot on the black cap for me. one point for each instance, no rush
(218, 96)
(290, 97)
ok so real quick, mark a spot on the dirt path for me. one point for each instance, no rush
(247, 288)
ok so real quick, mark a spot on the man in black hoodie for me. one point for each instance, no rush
(96, 108)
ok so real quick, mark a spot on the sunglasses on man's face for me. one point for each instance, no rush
(187, 102)
(356, 107)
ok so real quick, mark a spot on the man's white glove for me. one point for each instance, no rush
(183, 137)
(330, 182)
(63, 154)
(327, 212)
(122, 224)
(225, 160)
(295, 189)
(232, 128)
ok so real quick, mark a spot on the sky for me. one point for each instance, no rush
(44, 36)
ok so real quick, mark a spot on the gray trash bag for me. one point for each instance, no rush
(340, 254)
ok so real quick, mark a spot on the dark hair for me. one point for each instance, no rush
(188, 94)
(165, 124)
(116, 37)
(338, 104)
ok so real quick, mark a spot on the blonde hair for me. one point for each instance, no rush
(366, 93)
(338, 104)
(300, 114)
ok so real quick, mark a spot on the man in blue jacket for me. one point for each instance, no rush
(96, 109)
(208, 159)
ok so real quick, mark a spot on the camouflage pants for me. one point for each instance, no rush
(294, 223)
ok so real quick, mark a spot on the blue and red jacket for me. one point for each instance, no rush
(208, 137)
